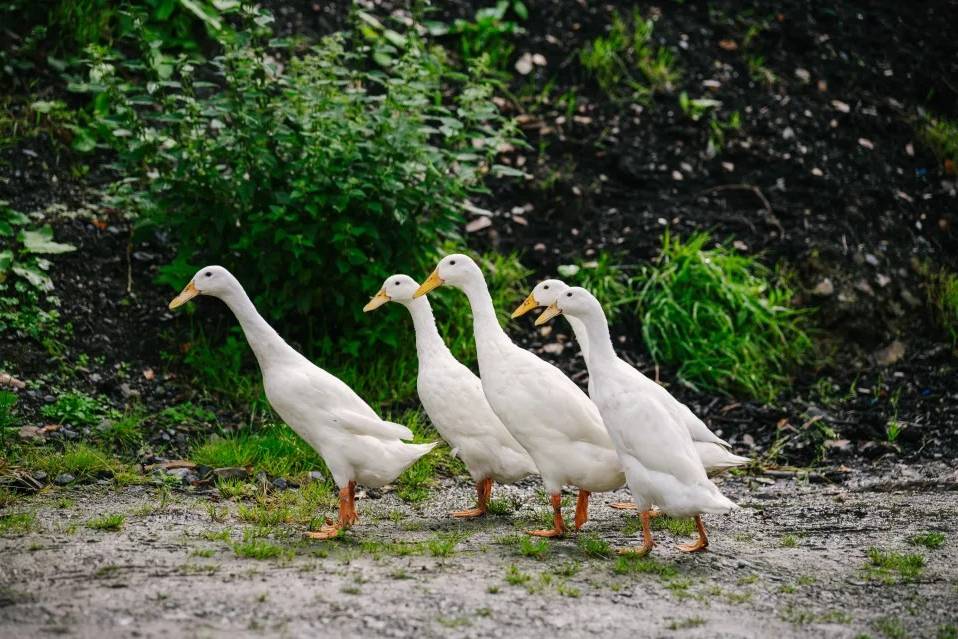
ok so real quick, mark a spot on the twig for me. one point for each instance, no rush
(758, 193)
(129, 262)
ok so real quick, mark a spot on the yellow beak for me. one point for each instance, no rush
(185, 296)
(548, 314)
(432, 282)
(377, 301)
(526, 306)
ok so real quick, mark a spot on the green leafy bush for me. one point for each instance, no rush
(488, 34)
(721, 317)
(27, 306)
(311, 180)
(941, 289)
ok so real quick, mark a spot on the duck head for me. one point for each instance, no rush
(456, 270)
(397, 288)
(545, 293)
(575, 301)
(209, 280)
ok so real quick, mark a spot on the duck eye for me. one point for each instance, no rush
(396, 283)
(209, 274)
(452, 262)
(568, 294)
(546, 287)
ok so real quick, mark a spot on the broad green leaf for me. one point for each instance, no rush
(37, 278)
(41, 241)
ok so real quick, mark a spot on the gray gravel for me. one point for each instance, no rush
(790, 563)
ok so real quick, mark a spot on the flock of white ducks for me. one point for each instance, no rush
(521, 416)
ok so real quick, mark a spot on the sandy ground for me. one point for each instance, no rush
(791, 563)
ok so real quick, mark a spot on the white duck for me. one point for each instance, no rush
(357, 446)
(661, 464)
(543, 409)
(714, 451)
(453, 399)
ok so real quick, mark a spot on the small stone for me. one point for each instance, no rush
(866, 143)
(824, 288)
(553, 348)
(677, 176)
(63, 479)
(478, 224)
(841, 106)
(40, 476)
(315, 475)
(280, 484)
(803, 75)
(231, 472)
(374, 493)
(728, 45)
(817, 172)
(524, 64)
(871, 259)
(539, 60)
(728, 166)
(890, 354)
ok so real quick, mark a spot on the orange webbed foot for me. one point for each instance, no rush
(551, 532)
(469, 513)
(623, 505)
(327, 531)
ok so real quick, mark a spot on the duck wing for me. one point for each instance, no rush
(372, 426)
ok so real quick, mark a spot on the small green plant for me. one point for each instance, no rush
(628, 48)
(82, 461)
(930, 540)
(605, 278)
(123, 431)
(688, 622)
(594, 546)
(516, 577)
(76, 409)
(941, 291)
(27, 305)
(789, 541)
(17, 523)
(891, 567)
(7, 420)
(948, 631)
(533, 547)
(942, 136)
(680, 527)
(257, 548)
(488, 35)
(443, 545)
(758, 71)
(111, 523)
(722, 318)
(630, 564)
(891, 628)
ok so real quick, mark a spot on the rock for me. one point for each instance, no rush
(825, 288)
(478, 224)
(280, 484)
(68, 433)
(11, 381)
(185, 475)
(890, 354)
(202, 471)
(524, 64)
(315, 475)
(803, 75)
(841, 106)
(30, 432)
(374, 493)
(40, 476)
(553, 348)
(231, 472)
(63, 479)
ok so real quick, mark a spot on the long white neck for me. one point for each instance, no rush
(485, 325)
(578, 329)
(429, 342)
(268, 347)
(600, 347)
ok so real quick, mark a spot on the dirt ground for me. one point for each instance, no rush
(791, 563)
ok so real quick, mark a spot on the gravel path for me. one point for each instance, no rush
(791, 563)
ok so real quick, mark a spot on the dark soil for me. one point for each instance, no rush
(827, 176)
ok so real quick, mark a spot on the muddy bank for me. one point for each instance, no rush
(793, 562)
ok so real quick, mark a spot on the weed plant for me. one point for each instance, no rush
(722, 318)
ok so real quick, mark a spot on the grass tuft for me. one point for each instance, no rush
(941, 290)
(594, 546)
(533, 547)
(111, 523)
(274, 449)
(632, 564)
(722, 318)
(17, 523)
(930, 540)
(892, 567)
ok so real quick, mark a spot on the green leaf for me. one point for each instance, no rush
(41, 241)
(37, 278)
(6, 260)
(201, 12)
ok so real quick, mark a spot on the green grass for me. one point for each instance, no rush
(533, 547)
(594, 546)
(605, 278)
(443, 545)
(76, 409)
(688, 622)
(681, 527)
(930, 540)
(274, 449)
(892, 567)
(17, 523)
(789, 541)
(631, 564)
(891, 628)
(111, 523)
(941, 291)
(942, 136)
(721, 318)
(124, 431)
(256, 548)
(500, 507)
(81, 460)
(626, 62)
(516, 577)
